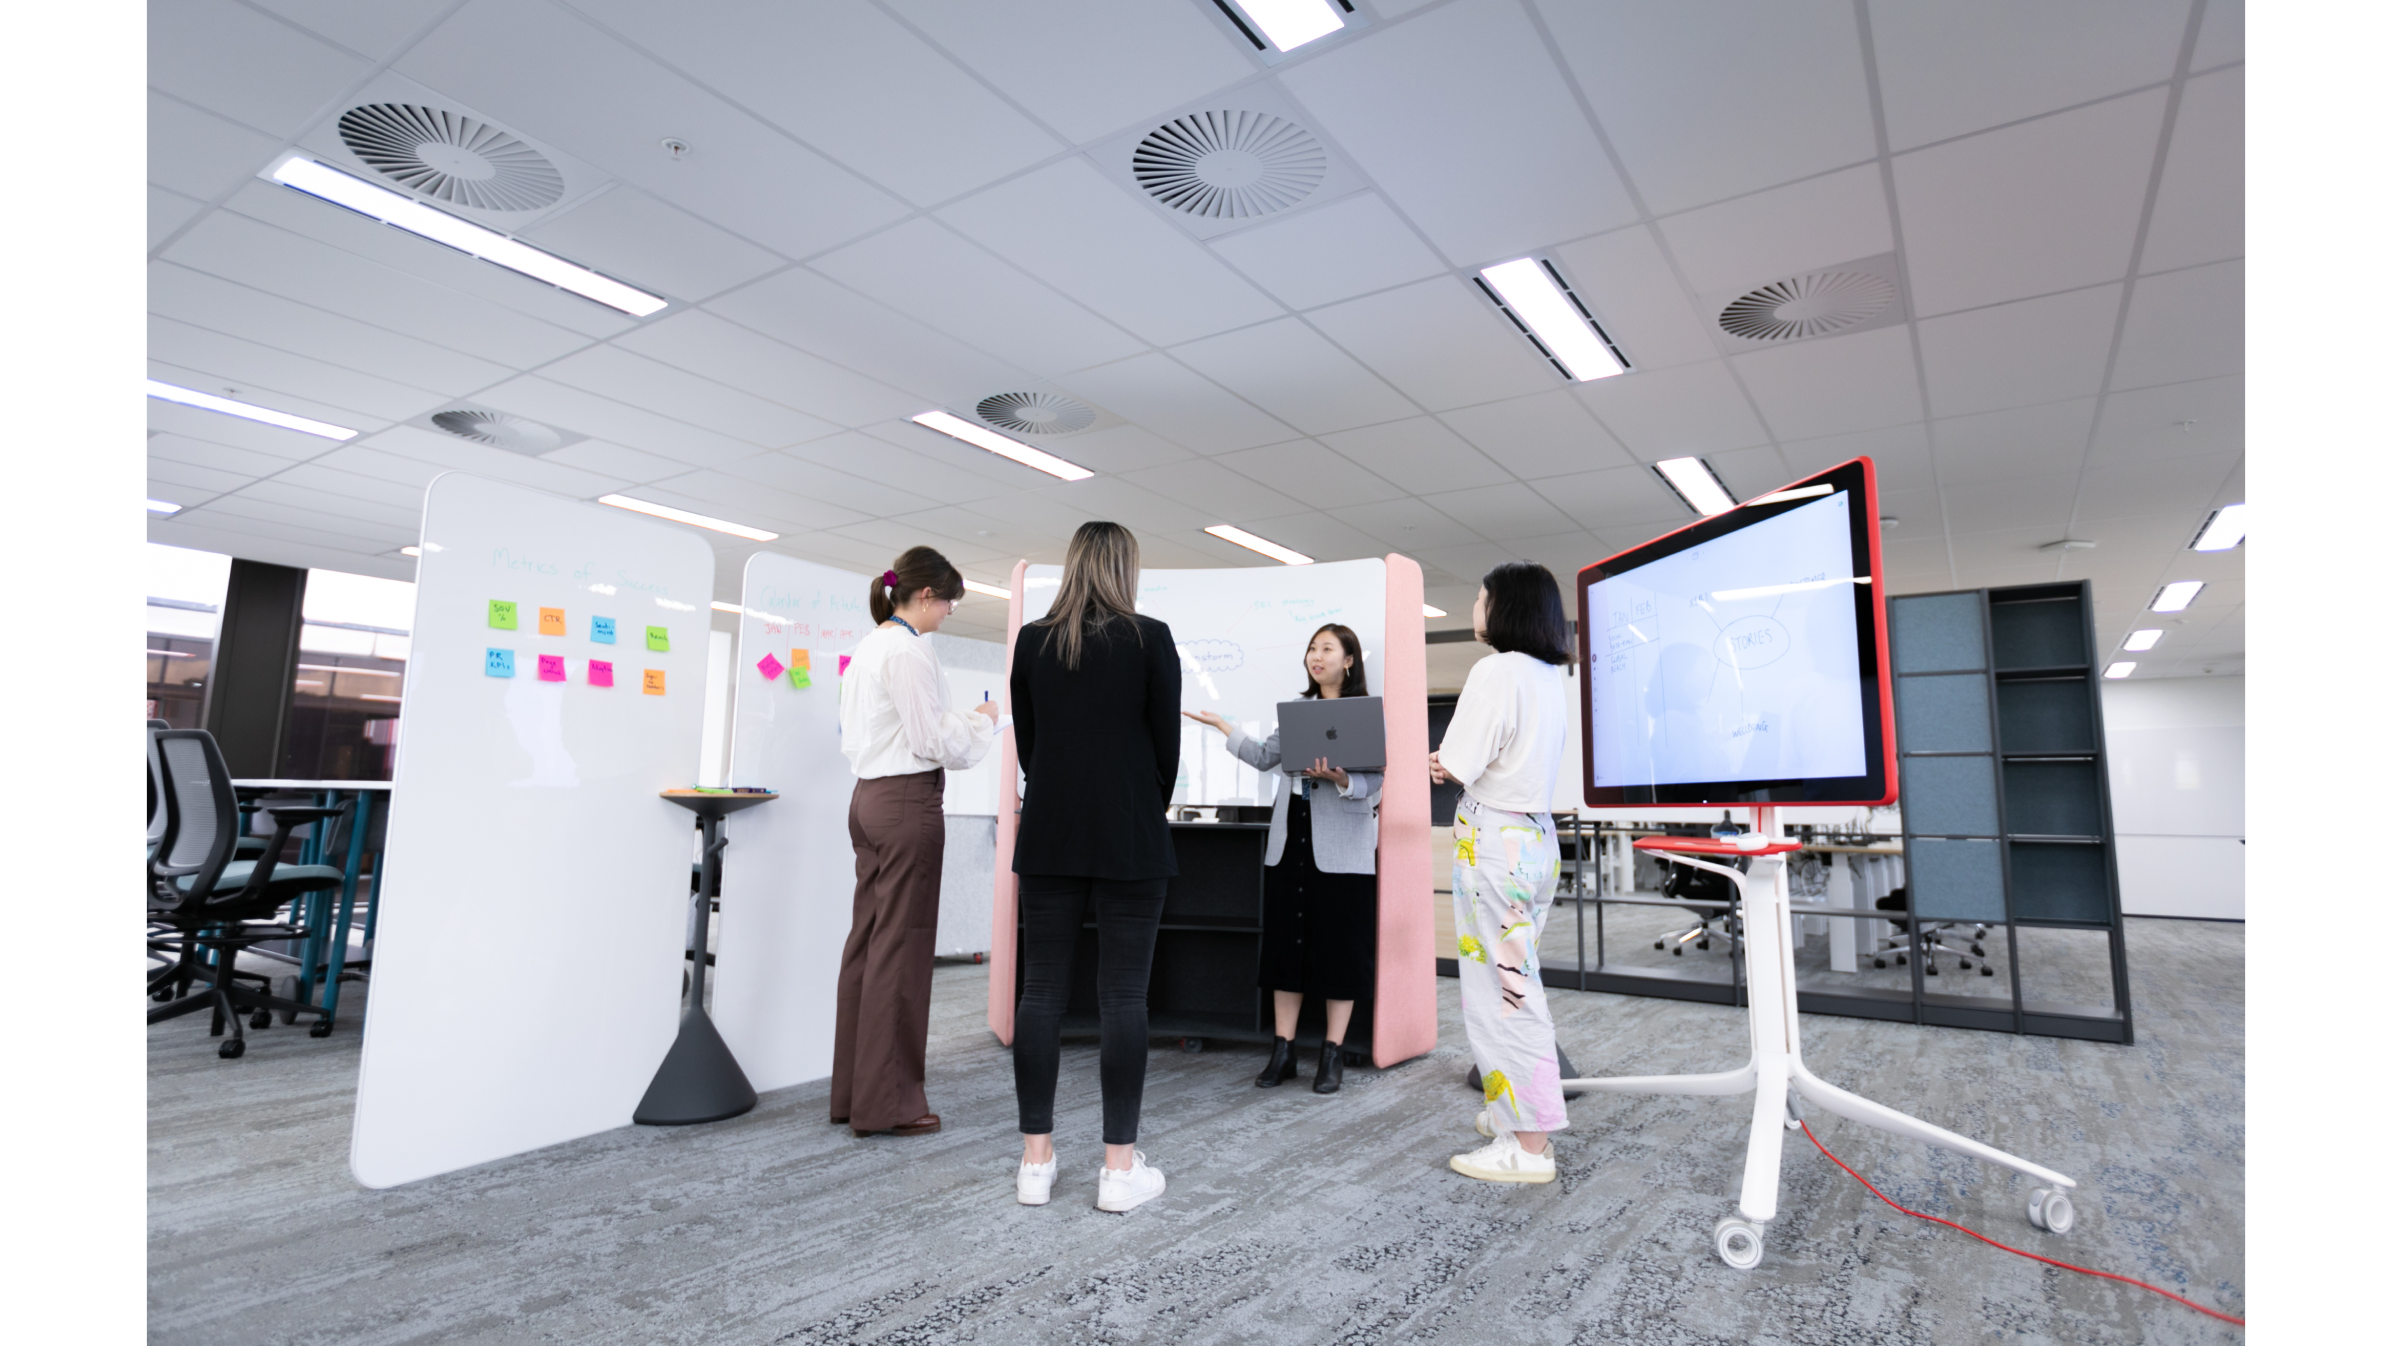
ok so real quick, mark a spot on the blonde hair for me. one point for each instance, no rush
(1100, 583)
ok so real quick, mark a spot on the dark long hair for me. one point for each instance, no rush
(1356, 683)
(1100, 583)
(920, 568)
(1524, 613)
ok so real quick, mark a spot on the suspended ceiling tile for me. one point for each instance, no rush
(613, 460)
(1126, 503)
(1418, 454)
(1337, 251)
(1634, 293)
(2021, 442)
(742, 499)
(271, 441)
(1750, 472)
(1410, 525)
(1544, 435)
(2181, 326)
(2048, 205)
(1287, 369)
(634, 237)
(1203, 484)
(1615, 498)
(1085, 67)
(1785, 231)
(1701, 100)
(2199, 214)
(1440, 342)
(188, 483)
(1009, 539)
(2181, 493)
(1312, 473)
(1834, 385)
(1916, 558)
(323, 476)
(1946, 70)
(895, 538)
(376, 31)
(1467, 125)
(905, 457)
(217, 304)
(1113, 450)
(1900, 452)
(235, 61)
(200, 154)
(2021, 502)
(657, 387)
(2181, 420)
(1920, 511)
(1323, 537)
(246, 364)
(705, 343)
(396, 470)
(336, 527)
(1506, 510)
(405, 519)
(1168, 398)
(169, 211)
(565, 407)
(1071, 227)
(929, 273)
(1670, 413)
(2012, 355)
(888, 106)
(2221, 37)
(830, 321)
(407, 441)
(2005, 548)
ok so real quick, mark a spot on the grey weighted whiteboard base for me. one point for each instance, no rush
(700, 1081)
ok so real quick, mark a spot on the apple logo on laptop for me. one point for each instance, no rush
(1332, 732)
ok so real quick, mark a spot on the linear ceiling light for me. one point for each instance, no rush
(1250, 542)
(1292, 23)
(1428, 610)
(164, 507)
(995, 443)
(684, 516)
(411, 551)
(1696, 484)
(988, 590)
(167, 392)
(2177, 597)
(2119, 670)
(1799, 493)
(2223, 532)
(2143, 640)
(1532, 294)
(402, 212)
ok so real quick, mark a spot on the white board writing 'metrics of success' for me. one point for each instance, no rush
(1734, 660)
(1241, 633)
(528, 950)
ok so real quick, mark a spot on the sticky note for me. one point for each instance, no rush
(602, 630)
(602, 673)
(769, 667)
(659, 639)
(552, 621)
(499, 663)
(652, 681)
(552, 668)
(801, 659)
(502, 614)
(798, 677)
(843, 660)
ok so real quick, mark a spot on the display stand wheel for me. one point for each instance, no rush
(321, 1029)
(2050, 1210)
(1738, 1241)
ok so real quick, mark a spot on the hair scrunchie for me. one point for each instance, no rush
(889, 578)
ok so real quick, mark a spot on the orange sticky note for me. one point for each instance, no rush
(652, 682)
(801, 659)
(552, 621)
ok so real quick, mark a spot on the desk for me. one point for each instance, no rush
(326, 948)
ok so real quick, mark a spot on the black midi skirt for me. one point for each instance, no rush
(1320, 932)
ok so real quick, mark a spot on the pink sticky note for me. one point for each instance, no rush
(602, 673)
(769, 667)
(843, 665)
(552, 668)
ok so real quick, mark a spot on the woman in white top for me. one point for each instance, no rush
(901, 739)
(1505, 746)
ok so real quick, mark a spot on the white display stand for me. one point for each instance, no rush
(789, 871)
(527, 958)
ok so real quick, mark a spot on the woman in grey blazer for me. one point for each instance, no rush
(1320, 923)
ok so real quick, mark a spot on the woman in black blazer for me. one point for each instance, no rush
(1096, 727)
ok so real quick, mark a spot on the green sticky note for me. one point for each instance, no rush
(659, 639)
(798, 678)
(502, 614)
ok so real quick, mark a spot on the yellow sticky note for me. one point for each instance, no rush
(552, 621)
(652, 681)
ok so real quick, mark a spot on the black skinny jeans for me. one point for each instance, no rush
(1053, 909)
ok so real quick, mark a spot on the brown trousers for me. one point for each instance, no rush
(898, 825)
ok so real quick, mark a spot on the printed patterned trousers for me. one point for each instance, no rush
(1505, 868)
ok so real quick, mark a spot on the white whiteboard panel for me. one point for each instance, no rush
(1241, 634)
(527, 960)
(789, 873)
(2182, 780)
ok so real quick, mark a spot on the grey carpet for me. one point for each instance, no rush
(1290, 1218)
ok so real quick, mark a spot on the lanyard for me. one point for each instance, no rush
(904, 623)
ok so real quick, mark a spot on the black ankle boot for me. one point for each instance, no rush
(1282, 1067)
(1332, 1072)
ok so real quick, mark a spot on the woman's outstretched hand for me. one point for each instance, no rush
(1321, 770)
(1437, 770)
(1207, 717)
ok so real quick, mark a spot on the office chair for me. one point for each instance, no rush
(1931, 939)
(218, 905)
(1688, 884)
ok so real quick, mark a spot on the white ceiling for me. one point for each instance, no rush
(893, 206)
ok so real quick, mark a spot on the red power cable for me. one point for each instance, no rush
(2064, 1266)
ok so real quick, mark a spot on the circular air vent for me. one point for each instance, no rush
(1807, 306)
(498, 430)
(451, 157)
(1229, 165)
(1035, 413)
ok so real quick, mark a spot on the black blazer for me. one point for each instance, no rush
(1100, 747)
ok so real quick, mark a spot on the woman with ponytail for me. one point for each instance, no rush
(902, 740)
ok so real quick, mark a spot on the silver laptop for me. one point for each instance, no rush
(1350, 731)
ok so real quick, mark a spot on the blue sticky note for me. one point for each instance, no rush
(602, 630)
(499, 663)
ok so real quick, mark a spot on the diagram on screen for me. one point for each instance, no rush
(1734, 660)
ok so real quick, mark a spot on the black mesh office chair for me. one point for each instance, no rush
(217, 905)
(1688, 884)
(1964, 940)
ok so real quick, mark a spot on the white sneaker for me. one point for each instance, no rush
(1032, 1184)
(1121, 1189)
(1485, 1127)
(1502, 1160)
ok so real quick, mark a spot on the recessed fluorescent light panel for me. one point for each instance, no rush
(1427, 610)
(2119, 670)
(1289, 24)
(191, 397)
(1250, 542)
(2143, 640)
(2177, 597)
(684, 516)
(997, 444)
(164, 507)
(1696, 484)
(987, 590)
(2223, 532)
(411, 551)
(1532, 294)
(405, 212)
(1799, 493)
